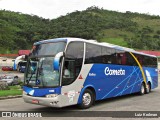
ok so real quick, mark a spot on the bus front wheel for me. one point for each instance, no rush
(87, 99)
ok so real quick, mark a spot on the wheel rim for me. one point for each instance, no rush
(142, 89)
(86, 99)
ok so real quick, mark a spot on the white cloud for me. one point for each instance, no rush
(55, 8)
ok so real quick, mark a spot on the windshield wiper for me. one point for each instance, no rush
(29, 78)
(31, 74)
(39, 72)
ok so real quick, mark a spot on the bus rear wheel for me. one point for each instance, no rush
(142, 90)
(148, 89)
(87, 99)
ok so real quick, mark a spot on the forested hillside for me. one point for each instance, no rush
(139, 31)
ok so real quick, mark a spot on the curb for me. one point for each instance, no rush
(10, 97)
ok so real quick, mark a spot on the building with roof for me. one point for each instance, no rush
(156, 53)
(23, 52)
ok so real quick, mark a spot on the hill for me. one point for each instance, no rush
(139, 31)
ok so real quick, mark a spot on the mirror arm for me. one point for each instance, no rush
(56, 61)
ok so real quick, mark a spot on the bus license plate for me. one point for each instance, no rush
(35, 101)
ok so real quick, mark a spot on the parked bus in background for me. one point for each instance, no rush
(22, 66)
(17, 61)
(69, 71)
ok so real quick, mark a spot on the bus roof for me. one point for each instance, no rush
(70, 39)
(51, 40)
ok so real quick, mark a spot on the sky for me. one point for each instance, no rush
(51, 9)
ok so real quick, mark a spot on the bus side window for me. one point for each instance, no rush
(123, 57)
(67, 72)
(73, 62)
(93, 54)
(109, 55)
(139, 58)
(120, 57)
(119, 60)
(130, 61)
(69, 67)
(149, 62)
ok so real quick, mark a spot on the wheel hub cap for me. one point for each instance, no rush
(86, 99)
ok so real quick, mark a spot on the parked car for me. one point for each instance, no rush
(11, 80)
(7, 68)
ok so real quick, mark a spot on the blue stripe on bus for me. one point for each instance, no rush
(41, 92)
(107, 86)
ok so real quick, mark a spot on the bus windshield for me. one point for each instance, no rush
(40, 73)
(48, 49)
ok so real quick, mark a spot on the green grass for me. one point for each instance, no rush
(14, 90)
(115, 36)
(4, 93)
(116, 41)
(116, 33)
(142, 22)
(15, 87)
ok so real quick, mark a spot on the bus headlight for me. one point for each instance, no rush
(51, 95)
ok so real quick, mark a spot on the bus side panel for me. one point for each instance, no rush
(114, 80)
(152, 76)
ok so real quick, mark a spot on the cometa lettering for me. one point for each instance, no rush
(109, 71)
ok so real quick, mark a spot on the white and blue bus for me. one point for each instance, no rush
(67, 71)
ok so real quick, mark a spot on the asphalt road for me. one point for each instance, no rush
(134, 102)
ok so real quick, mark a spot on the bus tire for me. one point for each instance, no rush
(143, 89)
(87, 99)
(148, 90)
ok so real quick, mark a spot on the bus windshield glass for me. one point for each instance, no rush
(48, 48)
(40, 73)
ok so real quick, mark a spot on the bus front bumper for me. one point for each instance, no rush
(52, 102)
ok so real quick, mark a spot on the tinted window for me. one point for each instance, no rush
(149, 61)
(93, 54)
(139, 58)
(146, 61)
(120, 57)
(73, 62)
(130, 60)
(108, 55)
(49, 48)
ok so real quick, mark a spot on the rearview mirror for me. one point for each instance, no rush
(56, 61)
